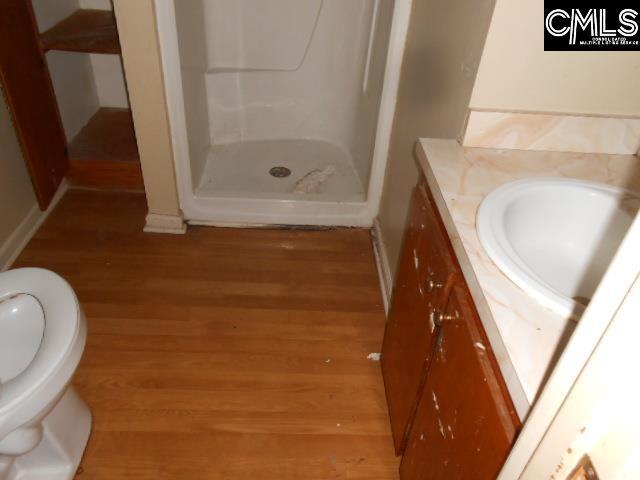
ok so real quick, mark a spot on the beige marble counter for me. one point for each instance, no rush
(526, 337)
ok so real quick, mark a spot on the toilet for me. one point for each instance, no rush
(44, 424)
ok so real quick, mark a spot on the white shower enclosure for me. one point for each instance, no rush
(280, 110)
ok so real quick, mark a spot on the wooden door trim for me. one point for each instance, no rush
(47, 170)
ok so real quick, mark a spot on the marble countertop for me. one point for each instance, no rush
(526, 337)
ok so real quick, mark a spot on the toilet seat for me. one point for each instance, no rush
(22, 328)
(43, 380)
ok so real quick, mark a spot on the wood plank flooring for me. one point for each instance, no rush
(224, 353)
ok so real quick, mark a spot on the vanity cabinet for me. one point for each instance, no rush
(464, 426)
(451, 414)
(424, 280)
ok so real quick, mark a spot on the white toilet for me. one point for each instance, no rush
(44, 424)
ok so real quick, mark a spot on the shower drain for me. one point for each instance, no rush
(280, 172)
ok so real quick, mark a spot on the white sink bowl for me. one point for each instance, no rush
(555, 237)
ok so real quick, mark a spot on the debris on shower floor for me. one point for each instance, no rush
(312, 182)
(374, 357)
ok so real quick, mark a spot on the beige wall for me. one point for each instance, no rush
(516, 74)
(17, 198)
(443, 50)
(143, 71)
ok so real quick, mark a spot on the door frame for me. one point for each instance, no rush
(38, 126)
(533, 442)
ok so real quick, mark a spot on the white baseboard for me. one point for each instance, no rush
(16, 242)
(382, 262)
(173, 224)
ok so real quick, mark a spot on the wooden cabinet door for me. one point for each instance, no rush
(29, 92)
(465, 423)
(420, 289)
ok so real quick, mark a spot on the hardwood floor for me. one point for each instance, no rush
(224, 353)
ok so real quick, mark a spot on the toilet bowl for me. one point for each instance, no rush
(44, 424)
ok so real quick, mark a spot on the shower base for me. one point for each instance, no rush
(242, 170)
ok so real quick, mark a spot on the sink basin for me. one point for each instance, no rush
(555, 237)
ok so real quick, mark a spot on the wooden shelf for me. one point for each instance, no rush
(90, 31)
(105, 153)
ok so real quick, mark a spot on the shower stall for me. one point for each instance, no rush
(280, 109)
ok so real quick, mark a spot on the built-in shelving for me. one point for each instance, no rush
(88, 31)
(105, 153)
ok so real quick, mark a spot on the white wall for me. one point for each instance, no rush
(363, 131)
(256, 34)
(49, 13)
(516, 74)
(96, 4)
(109, 80)
(192, 42)
(75, 88)
(196, 103)
(17, 199)
(71, 73)
(82, 82)
(107, 69)
(286, 69)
